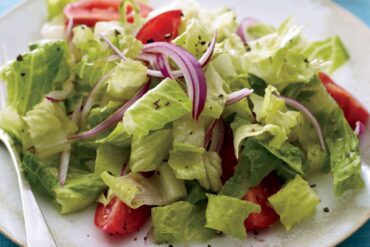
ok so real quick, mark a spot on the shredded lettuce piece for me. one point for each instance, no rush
(56, 7)
(227, 214)
(118, 137)
(148, 152)
(331, 51)
(295, 202)
(212, 165)
(277, 58)
(126, 79)
(180, 222)
(136, 190)
(111, 159)
(81, 189)
(188, 134)
(187, 165)
(259, 30)
(161, 105)
(49, 128)
(34, 74)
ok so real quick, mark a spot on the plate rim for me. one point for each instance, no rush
(357, 225)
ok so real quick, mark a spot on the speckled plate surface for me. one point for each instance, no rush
(321, 18)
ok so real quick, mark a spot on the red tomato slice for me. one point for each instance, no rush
(259, 194)
(89, 12)
(353, 110)
(118, 218)
(163, 27)
(227, 154)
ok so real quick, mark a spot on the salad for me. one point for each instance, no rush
(187, 117)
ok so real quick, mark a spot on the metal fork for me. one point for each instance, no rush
(37, 231)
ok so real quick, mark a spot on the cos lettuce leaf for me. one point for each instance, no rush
(161, 105)
(180, 222)
(295, 202)
(187, 165)
(342, 143)
(118, 137)
(81, 189)
(188, 134)
(111, 159)
(56, 7)
(277, 58)
(227, 214)
(126, 79)
(36, 73)
(136, 190)
(148, 152)
(330, 51)
(259, 30)
(49, 128)
(212, 165)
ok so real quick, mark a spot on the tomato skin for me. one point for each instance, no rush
(162, 28)
(118, 218)
(353, 110)
(227, 154)
(89, 12)
(259, 195)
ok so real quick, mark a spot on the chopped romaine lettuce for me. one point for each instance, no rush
(330, 51)
(259, 30)
(227, 214)
(126, 79)
(187, 165)
(55, 7)
(111, 159)
(34, 74)
(148, 152)
(212, 165)
(180, 222)
(81, 189)
(118, 137)
(161, 105)
(49, 128)
(295, 202)
(136, 190)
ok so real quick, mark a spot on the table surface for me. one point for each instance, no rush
(360, 8)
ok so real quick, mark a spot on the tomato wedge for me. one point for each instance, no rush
(353, 110)
(163, 27)
(89, 12)
(227, 154)
(259, 194)
(118, 218)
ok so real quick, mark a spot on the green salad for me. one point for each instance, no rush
(202, 122)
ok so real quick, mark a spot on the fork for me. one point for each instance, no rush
(37, 230)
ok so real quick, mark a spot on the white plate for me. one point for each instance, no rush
(321, 19)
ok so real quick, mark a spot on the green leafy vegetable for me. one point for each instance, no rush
(227, 214)
(49, 128)
(295, 202)
(212, 165)
(331, 51)
(187, 165)
(55, 7)
(136, 190)
(148, 152)
(34, 74)
(118, 137)
(111, 159)
(161, 105)
(180, 222)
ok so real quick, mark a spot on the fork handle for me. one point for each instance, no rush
(37, 230)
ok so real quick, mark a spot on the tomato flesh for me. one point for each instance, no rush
(90, 12)
(162, 28)
(227, 154)
(118, 218)
(353, 110)
(259, 195)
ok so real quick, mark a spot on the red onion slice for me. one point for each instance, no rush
(91, 98)
(238, 95)
(150, 58)
(113, 119)
(164, 66)
(191, 68)
(217, 136)
(242, 31)
(208, 137)
(113, 47)
(178, 73)
(66, 155)
(68, 32)
(58, 96)
(297, 105)
(359, 129)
